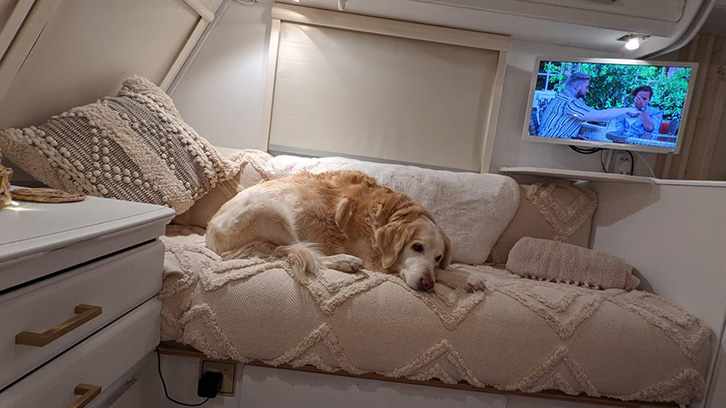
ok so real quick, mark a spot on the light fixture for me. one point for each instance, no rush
(632, 41)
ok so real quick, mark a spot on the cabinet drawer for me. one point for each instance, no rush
(99, 360)
(116, 284)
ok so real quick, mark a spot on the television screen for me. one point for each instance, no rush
(610, 103)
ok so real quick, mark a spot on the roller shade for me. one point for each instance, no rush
(357, 94)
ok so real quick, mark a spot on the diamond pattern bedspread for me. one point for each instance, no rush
(517, 334)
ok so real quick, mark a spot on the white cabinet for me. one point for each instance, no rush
(77, 282)
(109, 287)
(592, 24)
(663, 10)
(654, 17)
(92, 365)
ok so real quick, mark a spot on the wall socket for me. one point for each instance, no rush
(623, 162)
(228, 370)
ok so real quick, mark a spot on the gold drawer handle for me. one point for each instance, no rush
(84, 313)
(87, 393)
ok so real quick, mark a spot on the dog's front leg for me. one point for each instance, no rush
(458, 279)
(342, 262)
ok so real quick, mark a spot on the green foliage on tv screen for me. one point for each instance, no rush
(611, 84)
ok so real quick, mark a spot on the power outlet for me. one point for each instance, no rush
(623, 162)
(228, 370)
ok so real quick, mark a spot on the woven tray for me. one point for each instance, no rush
(46, 195)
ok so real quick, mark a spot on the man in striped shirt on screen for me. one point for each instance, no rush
(567, 110)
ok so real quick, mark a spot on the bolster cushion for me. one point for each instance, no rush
(544, 259)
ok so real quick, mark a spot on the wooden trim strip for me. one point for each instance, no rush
(13, 24)
(202, 7)
(181, 350)
(183, 55)
(493, 114)
(394, 28)
(270, 84)
(24, 41)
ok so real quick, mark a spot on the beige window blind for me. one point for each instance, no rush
(382, 97)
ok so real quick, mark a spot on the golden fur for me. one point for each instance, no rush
(338, 212)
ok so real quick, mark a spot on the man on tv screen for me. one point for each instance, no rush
(567, 110)
(648, 120)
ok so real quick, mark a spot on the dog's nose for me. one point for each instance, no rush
(427, 284)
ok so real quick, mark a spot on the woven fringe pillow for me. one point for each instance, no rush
(554, 261)
(133, 146)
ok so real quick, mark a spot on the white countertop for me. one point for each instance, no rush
(72, 233)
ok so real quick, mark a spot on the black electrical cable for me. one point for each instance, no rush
(158, 361)
(602, 164)
(585, 151)
(632, 163)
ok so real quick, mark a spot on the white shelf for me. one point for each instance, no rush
(578, 175)
(608, 177)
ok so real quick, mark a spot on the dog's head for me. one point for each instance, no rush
(413, 245)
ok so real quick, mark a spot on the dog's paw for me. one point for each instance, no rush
(343, 263)
(474, 283)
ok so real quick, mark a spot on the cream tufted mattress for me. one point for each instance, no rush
(518, 334)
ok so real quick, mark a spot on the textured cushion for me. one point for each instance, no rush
(554, 261)
(132, 147)
(516, 334)
(561, 213)
(252, 170)
(472, 209)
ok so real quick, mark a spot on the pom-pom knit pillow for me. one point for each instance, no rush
(133, 146)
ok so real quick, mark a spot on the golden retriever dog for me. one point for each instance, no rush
(339, 220)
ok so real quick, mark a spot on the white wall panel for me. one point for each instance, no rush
(12, 15)
(221, 90)
(6, 8)
(221, 95)
(675, 238)
(88, 47)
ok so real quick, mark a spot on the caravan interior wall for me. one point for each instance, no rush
(69, 53)
(87, 48)
(233, 60)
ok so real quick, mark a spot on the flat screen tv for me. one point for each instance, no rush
(610, 103)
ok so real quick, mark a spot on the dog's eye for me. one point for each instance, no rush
(417, 247)
(438, 258)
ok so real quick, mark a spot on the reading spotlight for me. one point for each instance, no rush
(632, 41)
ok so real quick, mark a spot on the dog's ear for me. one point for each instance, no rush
(390, 240)
(446, 259)
(344, 211)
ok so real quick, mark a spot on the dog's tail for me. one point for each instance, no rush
(252, 224)
(303, 257)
